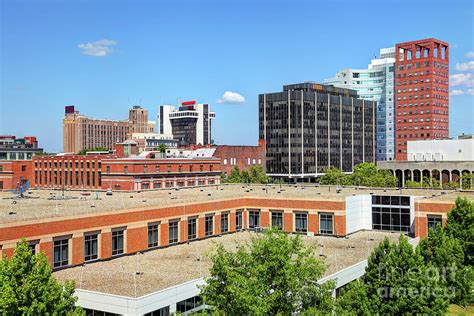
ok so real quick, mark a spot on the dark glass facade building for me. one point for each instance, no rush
(309, 127)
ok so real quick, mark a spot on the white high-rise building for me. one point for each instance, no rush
(376, 83)
(190, 124)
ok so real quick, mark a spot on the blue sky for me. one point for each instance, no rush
(157, 51)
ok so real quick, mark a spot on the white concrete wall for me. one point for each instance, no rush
(441, 150)
(138, 305)
(358, 213)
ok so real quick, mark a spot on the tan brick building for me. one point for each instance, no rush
(82, 132)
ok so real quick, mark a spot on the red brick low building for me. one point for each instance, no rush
(13, 172)
(242, 157)
(102, 172)
(97, 229)
(133, 174)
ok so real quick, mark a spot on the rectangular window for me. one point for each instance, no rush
(164, 311)
(91, 247)
(225, 222)
(173, 232)
(152, 235)
(61, 253)
(326, 224)
(277, 219)
(192, 228)
(238, 220)
(434, 220)
(254, 219)
(117, 242)
(209, 225)
(301, 222)
(188, 304)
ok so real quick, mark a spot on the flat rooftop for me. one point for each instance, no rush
(48, 204)
(166, 267)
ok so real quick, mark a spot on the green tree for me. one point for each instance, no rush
(451, 185)
(334, 176)
(234, 176)
(398, 282)
(274, 274)
(353, 300)
(254, 174)
(27, 286)
(460, 225)
(446, 254)
(467, 181)
(367, 174)
(162, 148)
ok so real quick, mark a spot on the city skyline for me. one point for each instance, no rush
(223, 54)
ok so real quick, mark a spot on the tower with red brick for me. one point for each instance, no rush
(421, 92)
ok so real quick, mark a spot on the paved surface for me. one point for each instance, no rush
(45, 204)
(162, 268)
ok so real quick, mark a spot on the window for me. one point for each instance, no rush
(225, 222)
(32, 245)
(117, 242)
(173, 232)
(326, 226)
(125, 169)
(107, 169)
(164, 311)
(301, 222)
(188, 304)
(61, 253)
(209, 225)
(145, 169)
(192, 228)
(254, 219)
(23, 168)
(277, 219)
(157, 168)
(152, 235)
(434, 220)
(91, 247)
(238, 220)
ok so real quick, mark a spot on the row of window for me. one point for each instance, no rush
(91, 240)
(168, 168)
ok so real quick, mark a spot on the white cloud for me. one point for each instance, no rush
(470, 91)
(470, 55)
(465, 66)
(461, 80)
(456, 92)
(231, 97)
(99, 48)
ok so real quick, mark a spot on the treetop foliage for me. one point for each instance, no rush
(274, 274)
(27, 286)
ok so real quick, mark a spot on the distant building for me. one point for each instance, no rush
(302, 140)
(151, 127)
(145, 173)
(421, 92)
(190, 124)
(242, 157)
(82, 132)
(13, 148)
(152, 141)
(376, 83)
(460, 149)
(444, 160)
(125, 171)
(139, 118)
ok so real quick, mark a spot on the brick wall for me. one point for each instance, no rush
(136, 223)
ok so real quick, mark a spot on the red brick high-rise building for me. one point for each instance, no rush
(421, 92)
